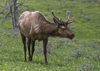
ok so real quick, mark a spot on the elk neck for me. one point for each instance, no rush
(49, 28)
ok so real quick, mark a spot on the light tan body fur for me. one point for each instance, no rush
(33, 24)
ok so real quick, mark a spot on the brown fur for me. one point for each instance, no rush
(35, 26)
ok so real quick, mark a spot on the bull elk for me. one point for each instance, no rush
(35, 26)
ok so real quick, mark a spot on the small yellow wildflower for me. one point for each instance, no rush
(21, 65)
(0, 65)
(5, 64)
(63, 61)
(75, 44)
(3, 70)
(55, 59)
(84, 58)
(58, 59)
(44, 68)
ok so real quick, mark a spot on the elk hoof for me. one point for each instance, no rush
(30, 60)
(46, 63)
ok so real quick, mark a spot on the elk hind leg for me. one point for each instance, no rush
(45, 49)
(24, 43)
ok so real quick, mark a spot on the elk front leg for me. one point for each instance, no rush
(28, 44)
(33, 49)
(45, 50)
(24, 42)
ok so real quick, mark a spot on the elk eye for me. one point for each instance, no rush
(62, 27)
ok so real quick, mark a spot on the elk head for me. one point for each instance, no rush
(63, 29)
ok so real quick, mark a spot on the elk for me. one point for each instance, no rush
(35, 26)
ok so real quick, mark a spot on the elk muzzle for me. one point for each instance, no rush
(72, 36)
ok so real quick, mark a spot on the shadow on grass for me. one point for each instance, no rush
(49, 63)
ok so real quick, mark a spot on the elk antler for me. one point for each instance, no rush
(60, 20)
(68, 13)
(69, 20)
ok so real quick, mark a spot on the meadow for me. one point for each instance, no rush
(80, 54)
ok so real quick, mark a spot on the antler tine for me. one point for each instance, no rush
(68, 13)
(69, 20)
(72, 20)
(55, 16)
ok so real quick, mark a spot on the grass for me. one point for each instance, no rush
(80, 54)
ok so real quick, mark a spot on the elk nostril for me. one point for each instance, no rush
(73, 35)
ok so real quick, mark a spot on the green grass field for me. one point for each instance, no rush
(80, 54)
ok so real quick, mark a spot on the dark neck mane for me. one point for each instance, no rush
(49, 28)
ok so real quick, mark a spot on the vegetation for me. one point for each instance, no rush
(80, 54)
